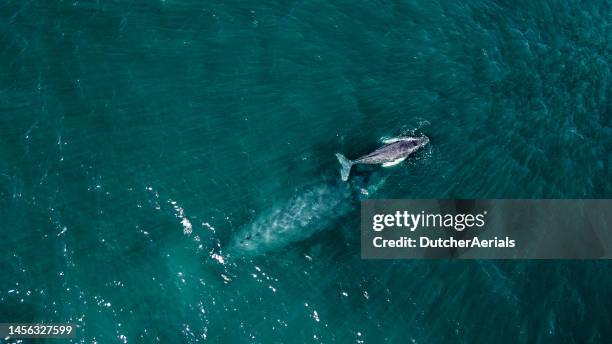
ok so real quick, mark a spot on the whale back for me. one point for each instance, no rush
(388, 153)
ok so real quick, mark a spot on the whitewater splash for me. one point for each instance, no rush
(310, 211)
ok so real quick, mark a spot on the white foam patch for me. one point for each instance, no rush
(180, 213)
(218, 258)
(187, 227)
(209, 226)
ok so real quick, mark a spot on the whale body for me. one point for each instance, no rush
(312, 209)
(309, 211)
(392, 153)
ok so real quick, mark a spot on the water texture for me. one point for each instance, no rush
(142, 142)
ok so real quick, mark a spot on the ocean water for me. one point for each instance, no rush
(142, 143)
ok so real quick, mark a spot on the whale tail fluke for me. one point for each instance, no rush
(345, 168)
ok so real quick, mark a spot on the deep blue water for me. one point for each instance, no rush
(140, 141)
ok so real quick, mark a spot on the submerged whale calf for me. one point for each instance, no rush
(393, 152)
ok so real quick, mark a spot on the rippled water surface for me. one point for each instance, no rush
(143, 144)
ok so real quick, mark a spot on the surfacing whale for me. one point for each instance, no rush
(392, 153)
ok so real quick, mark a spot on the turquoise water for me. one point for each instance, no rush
(142, 142)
